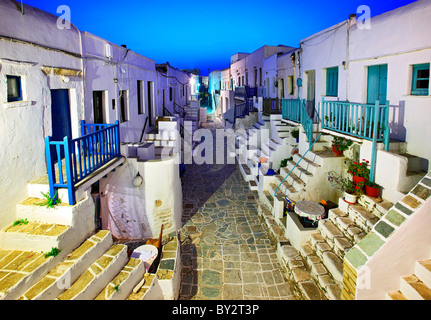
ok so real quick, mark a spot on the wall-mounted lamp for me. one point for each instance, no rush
(137, 181)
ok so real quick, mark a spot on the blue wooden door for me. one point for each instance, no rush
(60, 116)
(377, 84)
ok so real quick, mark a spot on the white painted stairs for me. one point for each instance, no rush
(416, 286)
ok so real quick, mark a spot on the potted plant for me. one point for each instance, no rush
(372, 189)
(295, 134)
(339, 144)
(349, 191)
(359, 171)
(352, 190)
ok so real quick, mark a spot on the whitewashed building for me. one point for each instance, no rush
(119, 85)
(41, 75)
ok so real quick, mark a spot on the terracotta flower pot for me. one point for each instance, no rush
(359, 179)
(337, 151)
(372, 192)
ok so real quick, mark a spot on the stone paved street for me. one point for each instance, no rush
(226, 252)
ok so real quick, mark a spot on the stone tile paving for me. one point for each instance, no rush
(226, 252)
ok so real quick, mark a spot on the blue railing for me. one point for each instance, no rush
(291, 109)
(364, 121)
(307, 123)
(99, 144)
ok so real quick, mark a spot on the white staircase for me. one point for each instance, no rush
(56, 253)
(416, 286)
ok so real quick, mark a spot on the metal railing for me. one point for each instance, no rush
(364, 121)
(272, 106)
(291, 109)
(99, 144)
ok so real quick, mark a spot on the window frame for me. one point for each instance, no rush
(419, 91)
(19, 85)
(332, 82)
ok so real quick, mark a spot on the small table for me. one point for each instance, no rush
(310, 210)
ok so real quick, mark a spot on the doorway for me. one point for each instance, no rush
(377, 84)
(311, 92)
(60, 117)
(98, 107)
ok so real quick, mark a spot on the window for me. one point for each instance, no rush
(421, 79)
(139, 95)
(170, 93)
(123, 106)
(14, 92)
(332, 82)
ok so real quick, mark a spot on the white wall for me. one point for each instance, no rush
(24, 124)
(127, 70)
(158, 200)
(409, 114)
(397, 257)
(323, 50)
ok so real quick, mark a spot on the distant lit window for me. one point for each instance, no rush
(332, 82)
(14, 92)
(421, 79)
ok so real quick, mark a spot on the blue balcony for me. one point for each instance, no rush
(79, 158)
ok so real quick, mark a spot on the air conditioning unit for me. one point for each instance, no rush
(108, 51)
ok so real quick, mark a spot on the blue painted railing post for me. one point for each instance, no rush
(50, 166)
(117, 138)
(387, 131)
(82, 128)
(374, 146)
(68, 163)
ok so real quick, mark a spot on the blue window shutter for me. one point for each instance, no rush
(332, 82)
(421, 79)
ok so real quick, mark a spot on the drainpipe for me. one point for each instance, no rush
(352, 22)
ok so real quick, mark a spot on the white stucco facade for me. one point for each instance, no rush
(45, 58)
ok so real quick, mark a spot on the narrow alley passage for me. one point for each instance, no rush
(226, 252)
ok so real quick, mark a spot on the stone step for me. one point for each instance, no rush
(299, 171)
(414, 289)
(423, 271)
(21, 269)
(252, 185)
(36, 236)
(36, 209)
(292, 179)
(66, 272)
(123, 284)
(92, 281)
(148, 290)
(396, 295)
(362, 217)
(306, 164)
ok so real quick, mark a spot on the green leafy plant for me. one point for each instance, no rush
(117, 287)
(283, 162)
(359, 169)
(50, 202)
(295, 133)
(372, 184)
(341, 143)
(20, 222)
(351, 187)
(54, 252)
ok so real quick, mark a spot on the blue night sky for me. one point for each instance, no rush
(204, 34)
